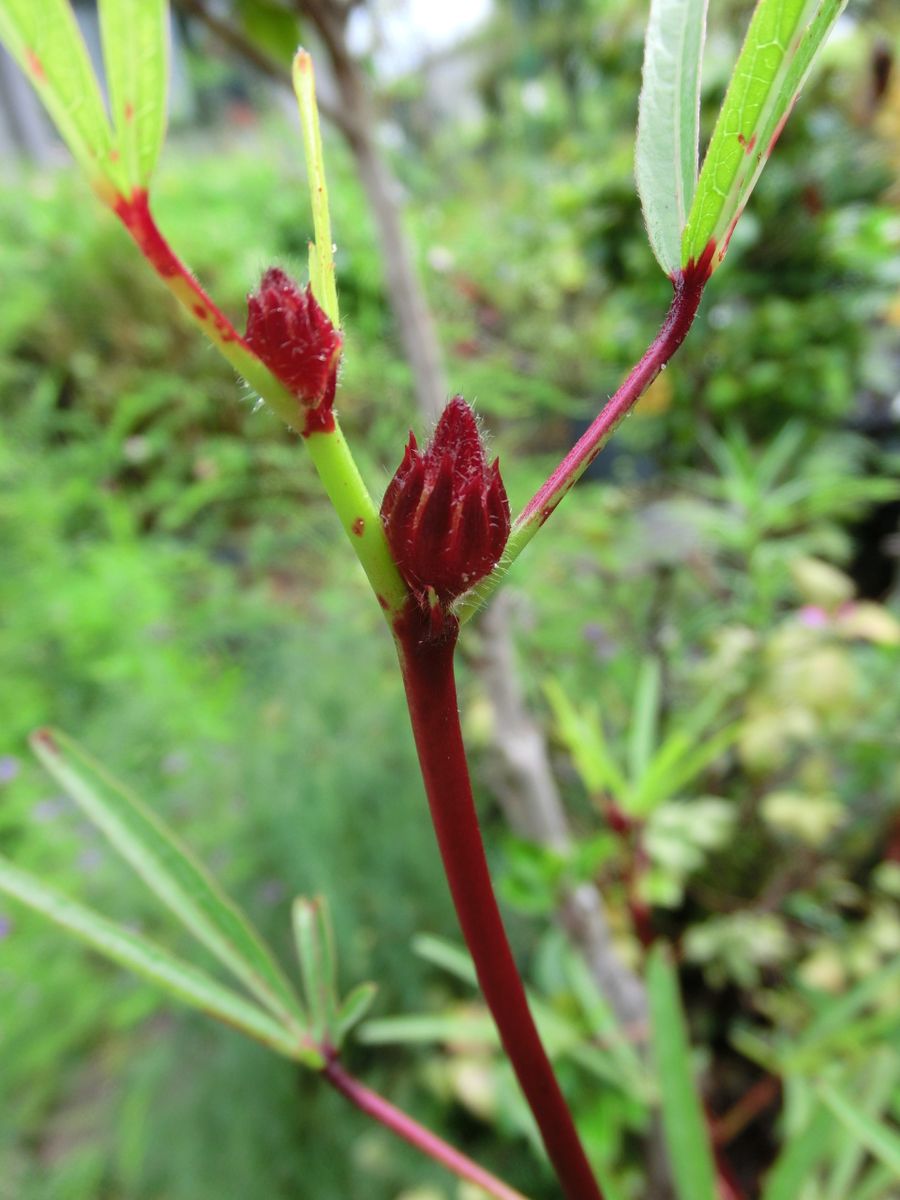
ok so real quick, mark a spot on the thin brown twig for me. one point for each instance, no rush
(235, 39)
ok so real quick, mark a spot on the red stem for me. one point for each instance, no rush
(134, 213)
(431, 696)
(689, 285)
(417, 1135)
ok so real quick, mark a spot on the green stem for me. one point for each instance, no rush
(330, 453)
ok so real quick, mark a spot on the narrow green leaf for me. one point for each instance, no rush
(315, 950)
(323, 277)
(582, 734)
(447, 957)
(684, 1125)
(131, 950)
(45, 40)
(875, 1085)
(469, 1029)
(668, 129)
(798, 1160)
(171, 871)
(878, 1184)
(835, 1018)
(644, 719)
(878, 1138)
(776, 57)
(353, 1008)
(678, 764)
(135, 53)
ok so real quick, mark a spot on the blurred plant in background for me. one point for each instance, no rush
(734, 593)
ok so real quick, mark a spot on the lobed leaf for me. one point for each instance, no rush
(778, 52)
(146, 958)
(45, 40)
(135, 53)
(684, 1125)
(170, 870)
(668, 130)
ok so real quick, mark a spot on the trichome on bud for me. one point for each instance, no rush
(293, 336)
(445, 512)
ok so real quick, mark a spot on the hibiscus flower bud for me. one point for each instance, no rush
(288, 330)
(445, 512)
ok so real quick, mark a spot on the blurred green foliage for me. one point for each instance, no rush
(694, 643)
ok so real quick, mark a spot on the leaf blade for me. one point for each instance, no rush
(135, 53)
(799, 1158)
(314, 941)
(668, 130)
(684, 1124)
(165, 864)
(146, 958)
(877, 1137)
(47, 44)
(777, 55)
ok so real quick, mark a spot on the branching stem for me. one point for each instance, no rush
(431, 695)
(688, 285)
(330, 453)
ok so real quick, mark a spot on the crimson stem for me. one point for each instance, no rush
(688, 288)
(428, 675)
(416, 1135)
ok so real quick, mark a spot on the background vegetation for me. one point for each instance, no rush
(710, 631)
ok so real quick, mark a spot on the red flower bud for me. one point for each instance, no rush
(445, 512)
(288, 330)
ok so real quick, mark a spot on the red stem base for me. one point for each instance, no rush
(431, 695)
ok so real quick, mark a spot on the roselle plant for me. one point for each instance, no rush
(440, 543)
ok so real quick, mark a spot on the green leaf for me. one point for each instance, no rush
(131, 950)
(322, 275)
(678, 762)
(776, 57)
(45, 40)
(171, 871)
(470, 1028)
(644, 719)
(353, 1008)
(875, 1086)
(878, 1184)
(315, 949)
(878, 1138)
(135, 53)
(799, 1158)
(446, 956)
(272, 27)
(684, 1124)
(838, 1017)
(581, 732)
(668, 129)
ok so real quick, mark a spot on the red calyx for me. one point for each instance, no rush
(288, 330)
(445, 512)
